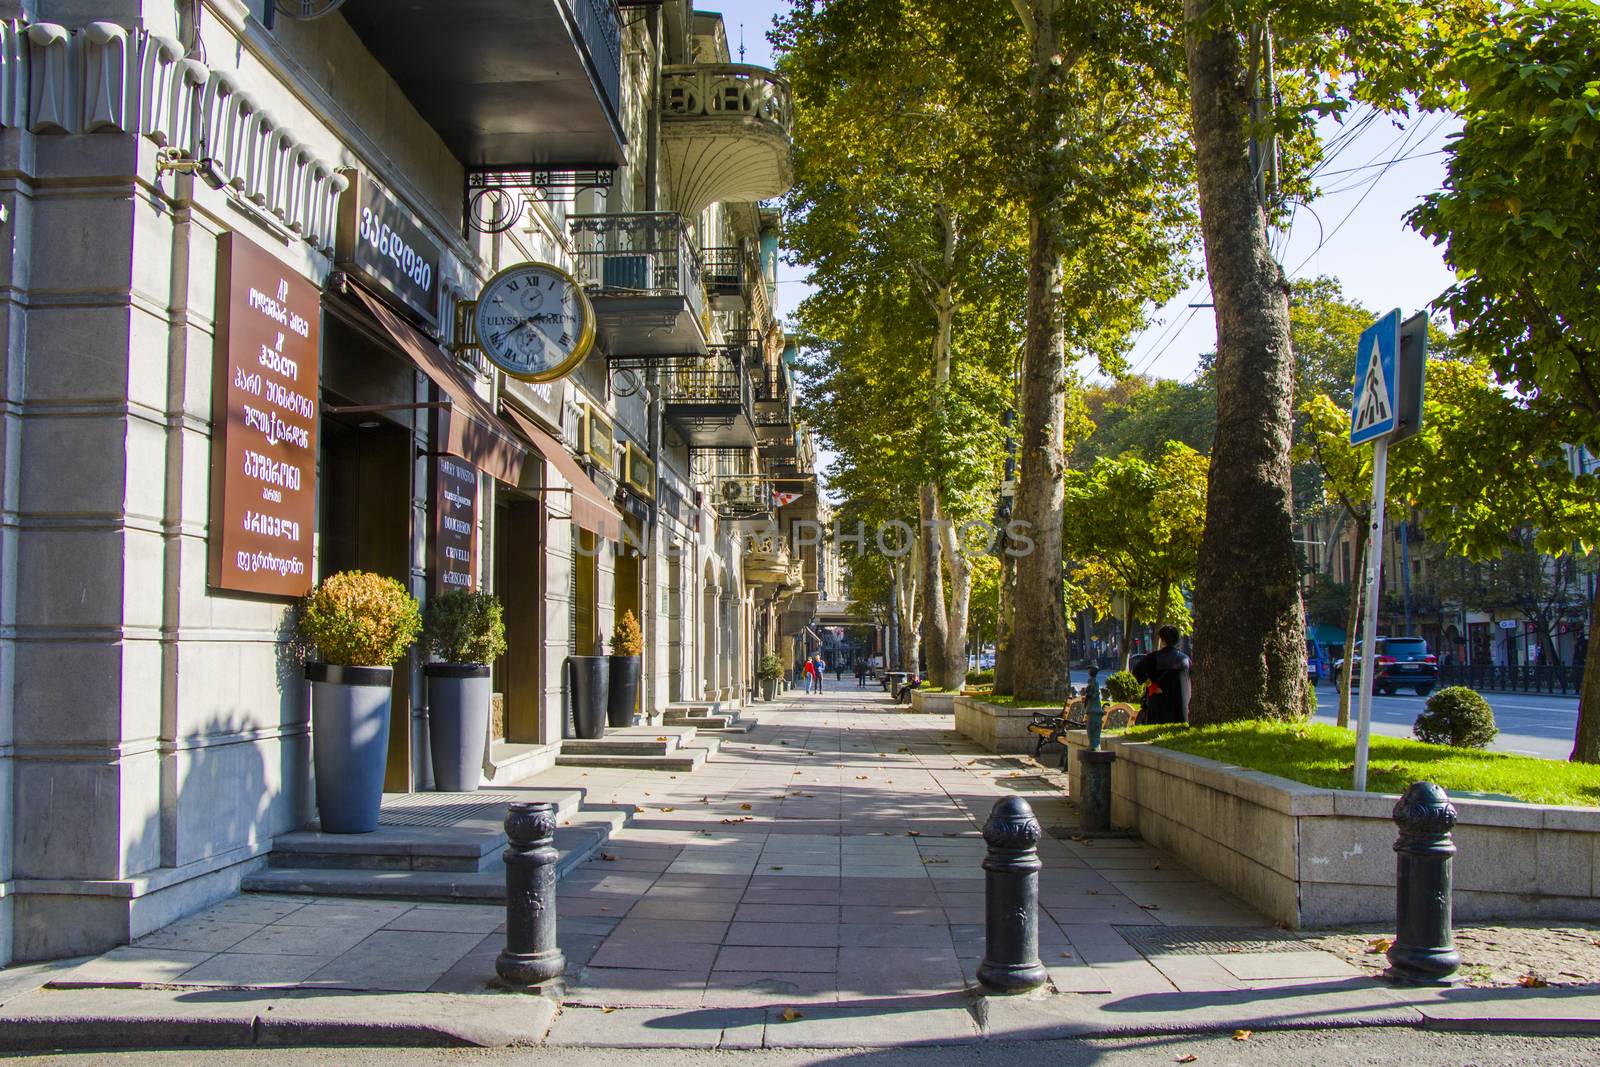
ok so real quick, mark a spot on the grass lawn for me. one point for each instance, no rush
(1013, 702)
(1323, 755)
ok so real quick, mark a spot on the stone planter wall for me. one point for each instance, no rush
(995, 727)
(1323, 857)
(933, 703)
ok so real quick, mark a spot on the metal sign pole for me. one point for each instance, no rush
(1369, 628)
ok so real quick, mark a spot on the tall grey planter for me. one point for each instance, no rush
(591, 676)
(349, 743)
(623, 694)
(458, 723)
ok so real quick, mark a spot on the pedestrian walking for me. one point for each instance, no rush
(810, 671)
(818, 666)
(861, 674)
(1165, 673)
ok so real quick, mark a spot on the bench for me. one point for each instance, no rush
(1052, 729)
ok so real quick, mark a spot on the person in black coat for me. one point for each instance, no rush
(1165, 673)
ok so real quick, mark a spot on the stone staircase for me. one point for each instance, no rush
(430, 846)
(708, 718)
(646, 748)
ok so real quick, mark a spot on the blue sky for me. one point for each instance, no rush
(1353, 232)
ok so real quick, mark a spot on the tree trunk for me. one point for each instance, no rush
(1352, 619)
(1249, 625)
(955, 648)
(1127, 632)
(906, 607)
(1042, 662)
(1003, 627)
(1163, 602)
(1586, 745)
(935, 626)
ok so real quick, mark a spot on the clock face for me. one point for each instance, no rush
(534, 322)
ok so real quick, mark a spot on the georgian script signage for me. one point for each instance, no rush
(264, 424)
(455, 517)
(384, 243)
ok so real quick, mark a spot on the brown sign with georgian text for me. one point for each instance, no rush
(455, 516)
(263, 423)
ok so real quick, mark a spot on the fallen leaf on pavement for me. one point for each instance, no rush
(1241, 1035)
(1151, 907)
(1532, 981)
(1379, 945)
(607, 1011)
(774, 868)
(1187, 1057)
(744, 807)
(637, 810)
(607, 856)
(669, 809)
(912, 833)
(1092, 892)
(790, 1015)
(1066, 955)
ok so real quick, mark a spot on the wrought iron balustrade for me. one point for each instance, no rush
(600, 28)
(718, 385)
(639, 254)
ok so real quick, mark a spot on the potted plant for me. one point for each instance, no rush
(768, 671)
(466, 632)
(627, 646)
(591, 676)
(360, 624)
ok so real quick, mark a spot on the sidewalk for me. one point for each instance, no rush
(816, 884)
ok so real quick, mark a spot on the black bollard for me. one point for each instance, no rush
(531, 955)
(1094, 807)
(1011, 899)
(1424, 951)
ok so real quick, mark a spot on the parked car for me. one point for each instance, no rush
(1402, 661)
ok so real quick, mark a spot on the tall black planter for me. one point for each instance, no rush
(349, 743)
(591, 676)
(458, 723)
(624, 693)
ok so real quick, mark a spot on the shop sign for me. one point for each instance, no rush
(543, 400)
(264, 424)
(455, 524)
(384, 243)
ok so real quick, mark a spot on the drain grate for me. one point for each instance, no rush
(442, 809)
(1208, 940)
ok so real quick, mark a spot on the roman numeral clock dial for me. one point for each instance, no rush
(534, 322)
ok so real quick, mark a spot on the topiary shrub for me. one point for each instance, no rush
(1124, 688)
(464, 627)
(1458, 717)
(359, 619)
(626, 639)
(983, 677)
(770, 669)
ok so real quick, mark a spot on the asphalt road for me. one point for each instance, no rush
(1530, 724)
(1312, 1048)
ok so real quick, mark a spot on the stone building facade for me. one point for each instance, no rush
(154, 729)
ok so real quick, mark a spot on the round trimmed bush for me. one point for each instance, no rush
(1124, 688)
(358, 619)
(464, 626)
(1458, 717)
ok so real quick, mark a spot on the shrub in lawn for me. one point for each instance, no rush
(983, 677)
(1124, 688)
(1458, 717)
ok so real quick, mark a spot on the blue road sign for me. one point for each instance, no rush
(1374, 410)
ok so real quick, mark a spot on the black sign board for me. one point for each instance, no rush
(455, 516)
(381, 241)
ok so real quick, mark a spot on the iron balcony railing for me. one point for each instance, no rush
(645, 253)
(728, 89)
(600, 27)
(728, 270)
(720, 385)
(773, 385)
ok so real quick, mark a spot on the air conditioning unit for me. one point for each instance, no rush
(734, 492)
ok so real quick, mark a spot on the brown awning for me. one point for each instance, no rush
(469, 428)
(591, 509)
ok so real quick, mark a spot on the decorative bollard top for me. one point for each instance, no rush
(1424, 812)
(1012, 826)
(530, 824)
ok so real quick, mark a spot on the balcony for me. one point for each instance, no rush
(726, 131)
(742, 496)
(646, 282)
(767, 562)
(712, 405)
(729, 277)
(507, 82)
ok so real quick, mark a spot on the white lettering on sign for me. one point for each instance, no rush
(278, 311)
(391, 246)
(272, 471)
(257, 522)
(253, 562)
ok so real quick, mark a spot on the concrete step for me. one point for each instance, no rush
(694, 707)
(460, 832)
(687, 759)
(576, 842)
(701, 722)
(618, 746)
(741, 726)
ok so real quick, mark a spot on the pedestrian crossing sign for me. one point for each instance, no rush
(1373, 410)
